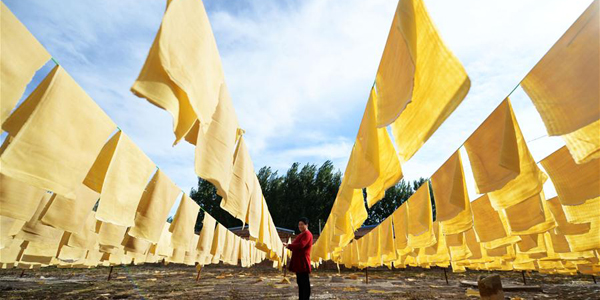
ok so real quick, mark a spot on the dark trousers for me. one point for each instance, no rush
(303, 285)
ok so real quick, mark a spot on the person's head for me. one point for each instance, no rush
(302, 224)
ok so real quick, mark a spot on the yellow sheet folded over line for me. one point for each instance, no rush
(574, 183)
(22, 56)
(183, 72)
(565, 84)
(57, 121)
(440, 82)
(120, 174)
(157, 200)
(501, 162)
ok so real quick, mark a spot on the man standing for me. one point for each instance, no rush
(300, 262)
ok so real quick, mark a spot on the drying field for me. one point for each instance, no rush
(222, 282)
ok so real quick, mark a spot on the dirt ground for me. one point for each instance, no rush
(157, 281)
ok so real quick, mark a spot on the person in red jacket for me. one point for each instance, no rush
(300, 262)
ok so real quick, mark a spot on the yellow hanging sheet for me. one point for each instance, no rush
(58, 132)
(390, 171)
(440, 82)
(34, 231)
(87, 237)
(420, 218)
(452, 204)
(350, 213)
(18, 200)
(184, 222)
(110, 235)
(206, 235)
(493, 151)
(363, 165)
(22, 55)
(120, 174)
(373, 163)
(78, 209)
(574, 183)
(527, 243)
(449, 188)
(135, 245)
(548, 222)
(487, 222)
(218, 243)
(154, 207)
(565, 84)
(163, 247)
(562, 225)
(373, 245)
(584, 143)
(559, 242)
(500, 160)
(254, 208)
(400, 219)
(215, 144)
(228, 247)
(589, 212)
(237, 199)
(9, 227)
(473, 244)
(526, 214)
(388, 249)
(182, 73)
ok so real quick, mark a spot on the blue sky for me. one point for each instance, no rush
(299, 72)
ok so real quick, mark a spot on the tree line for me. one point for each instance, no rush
(302, 191)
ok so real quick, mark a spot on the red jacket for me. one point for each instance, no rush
(300, 262)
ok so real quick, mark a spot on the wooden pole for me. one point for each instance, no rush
(22, 273)
(367, 275)
(284, 264)
(523, 274)
(594, 278)
(110, 273)
(199, 268)
(446, 276)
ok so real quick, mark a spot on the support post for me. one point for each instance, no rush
(367, 275)
(284, 264)
(22, 273)
(446, 276)
(110, 273)
(594, 279)
(524, 280)
(199, 268)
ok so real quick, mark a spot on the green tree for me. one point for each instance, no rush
(303, 191)
(394, 197)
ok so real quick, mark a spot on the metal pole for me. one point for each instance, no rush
(110, 273)
(367, 274)
(524, 281)
(446, 276)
